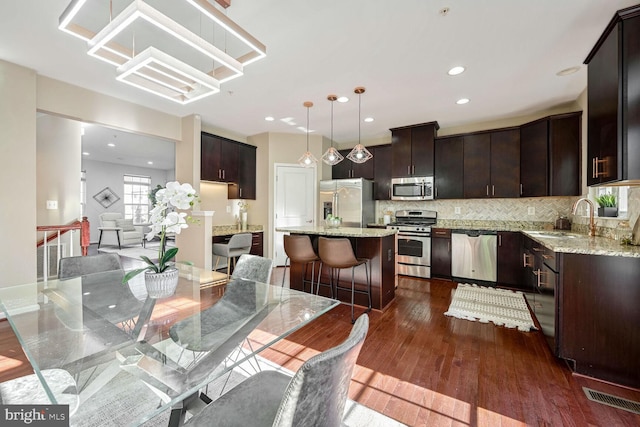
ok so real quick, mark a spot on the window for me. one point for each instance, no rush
(136, 198)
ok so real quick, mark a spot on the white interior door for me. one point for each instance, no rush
(295, 202)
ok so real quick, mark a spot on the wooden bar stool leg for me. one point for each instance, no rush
(284, 273)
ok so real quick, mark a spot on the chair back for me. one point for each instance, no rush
(299, 249)
(317, 393)
(108, 219)
(336, 253)
(253, 267)
(240, 241)
(76, 266)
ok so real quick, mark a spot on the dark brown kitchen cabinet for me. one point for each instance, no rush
(245, 185)
(613, 150)
(412, 150)
(218, 159)
(550, 151)
(381, 172)
(348, 169)
(477, 165)
(449, 168)
(599, 316)
(441, 253)
(509, 257)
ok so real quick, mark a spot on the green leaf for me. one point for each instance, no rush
(168, 256)
(132, 274)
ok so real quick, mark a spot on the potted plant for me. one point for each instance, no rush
(607, 205)
(161, 278)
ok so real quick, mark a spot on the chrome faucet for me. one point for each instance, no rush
(592, 224)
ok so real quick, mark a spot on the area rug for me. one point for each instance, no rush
(500, 306)
(151, 251)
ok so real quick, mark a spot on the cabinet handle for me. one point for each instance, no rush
(536, 249)
(219, 173)
(526, 260)
(413, 169)
(389, 193)
(448, 246)
(487, 190)
(436, 195)
(540, 283)
(493, 190)
(521, 189)
(409, 170)
(223, 174)
(547, 256)
(596, 166)
(499, 239)
(241, 192)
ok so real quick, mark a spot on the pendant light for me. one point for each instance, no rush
(307, 160)
(359, 154)
(332, 156)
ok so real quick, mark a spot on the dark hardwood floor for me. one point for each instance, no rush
(426, 369)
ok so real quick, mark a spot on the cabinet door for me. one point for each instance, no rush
(382, 172)
(564, 155)
(401, 152)
(245, 187)
(449, 164)
(510, 264)
(422, 140)
(505, 163)
(534, 159)
(229, 161)
(603, 104)
(210, 158)
(441, 253)
(343, 169)
(362, 170)
(477, 165)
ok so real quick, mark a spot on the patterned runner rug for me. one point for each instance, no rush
(500, 306)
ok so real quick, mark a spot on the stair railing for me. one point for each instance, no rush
(54, 232)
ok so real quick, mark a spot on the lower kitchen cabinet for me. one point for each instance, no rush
(510, 260)
(441, 253)
(599, 316)
(257, 242)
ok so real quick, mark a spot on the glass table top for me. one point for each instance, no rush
(112, 338)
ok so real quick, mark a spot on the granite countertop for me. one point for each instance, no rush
(575, 243)
(339, 232)
(226, 230)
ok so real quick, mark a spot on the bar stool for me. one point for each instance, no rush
(238, 244)
(298, 249)
(338, 254)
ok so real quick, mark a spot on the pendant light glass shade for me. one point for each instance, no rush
(332, 156)
(307, 160)
(359, 154)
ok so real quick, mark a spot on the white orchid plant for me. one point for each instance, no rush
(164, 219)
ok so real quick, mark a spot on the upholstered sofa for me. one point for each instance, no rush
(128, 233)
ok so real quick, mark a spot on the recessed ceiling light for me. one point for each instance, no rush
(343, 99)
(462, 101)
(85, 153)
(149, 162)
(567, 71)
(111, 144)
(368, 119)
(456, 70)
(269, 118)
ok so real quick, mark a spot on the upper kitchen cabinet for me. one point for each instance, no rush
(492, 164)
(245, 185)
(381, 171)
(218, 159)
(412, 150)
(613, 148)
(550, 156)
(348, 169)
(449, 168)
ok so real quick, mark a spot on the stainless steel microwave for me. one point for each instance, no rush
(412, 188)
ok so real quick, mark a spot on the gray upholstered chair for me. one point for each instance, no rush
(238, 244)
(76, 266)
(315, 396)
(253, 267)
(28, 390)
(126, 232)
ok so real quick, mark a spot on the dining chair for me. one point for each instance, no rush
(253, 267)
(28, 390)
(238, 244)
(76, 266)
(315, 396)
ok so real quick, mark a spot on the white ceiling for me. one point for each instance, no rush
(399, 50)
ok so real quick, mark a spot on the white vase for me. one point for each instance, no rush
(243, 221)
(161, 285)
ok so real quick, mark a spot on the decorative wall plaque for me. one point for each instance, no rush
(106, 197)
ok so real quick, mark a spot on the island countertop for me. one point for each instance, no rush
(339, 232)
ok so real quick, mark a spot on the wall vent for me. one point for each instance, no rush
(611, 400)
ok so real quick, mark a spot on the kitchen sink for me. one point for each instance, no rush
(554, 235)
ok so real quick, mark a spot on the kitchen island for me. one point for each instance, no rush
(379, 245)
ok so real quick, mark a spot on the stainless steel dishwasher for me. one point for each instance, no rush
(474, 255)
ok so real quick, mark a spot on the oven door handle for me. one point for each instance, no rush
(410, 234)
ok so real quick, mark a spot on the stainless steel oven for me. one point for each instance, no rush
(412, 188)
(414, 242)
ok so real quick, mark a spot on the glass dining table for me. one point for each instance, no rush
(135, 358)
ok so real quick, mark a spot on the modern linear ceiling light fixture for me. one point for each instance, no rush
(153, 49)
(307, 160)
(359, 154)
(332, 156)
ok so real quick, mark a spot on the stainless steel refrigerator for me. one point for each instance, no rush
(349, 199)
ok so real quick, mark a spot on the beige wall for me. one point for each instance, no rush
(18, 174)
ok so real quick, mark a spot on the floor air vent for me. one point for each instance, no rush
(611, 400)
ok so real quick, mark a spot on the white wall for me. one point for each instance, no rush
(17, 174)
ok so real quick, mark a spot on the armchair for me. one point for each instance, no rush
(126, 232)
